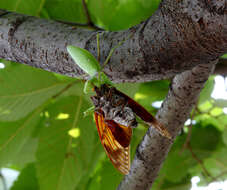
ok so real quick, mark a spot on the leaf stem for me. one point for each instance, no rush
(63, 90)
(89, 21)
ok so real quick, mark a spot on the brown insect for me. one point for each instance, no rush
(115, 116)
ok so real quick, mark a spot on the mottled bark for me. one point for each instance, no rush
(151, 152)
(179, 36)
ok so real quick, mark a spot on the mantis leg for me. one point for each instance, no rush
(88, 86)
(89, 111)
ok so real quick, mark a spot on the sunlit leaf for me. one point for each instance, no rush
(16, 142)
(118, 15)
(207, 90)
(27, 179)
(20, 95)
(63, 160)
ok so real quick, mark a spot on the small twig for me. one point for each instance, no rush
(3, 181)
(200, 162)
(98, 47)
(188, 145)
(86, 12)
(3, 12)
(63, 90)
(218, 176)
(113, 49)
(89, 21)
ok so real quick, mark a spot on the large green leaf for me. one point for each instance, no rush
(16, 143)
(30, 7)
(20, 95)
(215, 165)
(64, 160)
(162, 184)
(207, 119)
(224, 56)
(205, 139)
(204, 142)
(106, 177)
(224, 136)
(128, 88)
(177, 160)
(111, 14)
(71, 11)
(118, 14)
(152, 91)
(207, 90)
(27, 179)
(220, 102)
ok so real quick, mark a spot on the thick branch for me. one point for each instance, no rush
(151, 152)
(179, 36)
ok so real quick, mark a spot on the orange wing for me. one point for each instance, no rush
(115, 139)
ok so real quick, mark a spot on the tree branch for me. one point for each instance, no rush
(179, 36)
(206, 172)
(151, 152)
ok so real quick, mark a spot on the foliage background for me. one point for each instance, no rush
(44, 135)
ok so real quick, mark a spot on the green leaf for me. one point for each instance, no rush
(177, 160)
(224, 56)
(118, 15)
(207, 90)
(71, 10)
(162, 184)
(106, 177)
(27, 179)
(152, 91)
(216, 111)
(205, 106)
(109, 172)
(30, 7)
(63, 160)
(215, 164)
(206, 119)
(27, 153)
(224, 135)
(204, 142)
(128, 88)
(20, 95)
(206, 139)
(111, 14)
(220, 103)
(16, 140)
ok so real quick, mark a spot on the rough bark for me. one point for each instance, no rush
(151, 152)
(179, 36)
